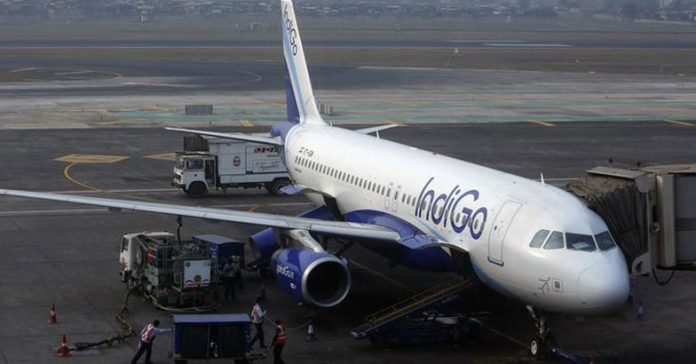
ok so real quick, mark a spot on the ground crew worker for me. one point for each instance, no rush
(279, 340)
(257, 314)
(228, 277)
(147, 336)
(237, 268)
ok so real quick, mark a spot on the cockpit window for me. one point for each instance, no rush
(555, 241)
(605, 241)
(580, 242)
(539, 238)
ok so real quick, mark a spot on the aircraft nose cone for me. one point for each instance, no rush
(604, 287)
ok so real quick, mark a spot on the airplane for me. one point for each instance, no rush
(525, 239)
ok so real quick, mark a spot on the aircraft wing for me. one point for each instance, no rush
(233, 136)
(337, 228)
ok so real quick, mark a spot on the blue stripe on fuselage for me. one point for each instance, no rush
(415, 248)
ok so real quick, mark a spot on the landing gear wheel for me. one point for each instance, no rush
(543, 344)
(275, 186)
(196, 190)
(536, 348)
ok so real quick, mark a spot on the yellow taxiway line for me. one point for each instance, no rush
(246, 123)
(542, 123)
(680, 123)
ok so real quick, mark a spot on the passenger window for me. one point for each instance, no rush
(605, 241)
(555, 241)
(580, 242)
(396, 195)
(539, 238)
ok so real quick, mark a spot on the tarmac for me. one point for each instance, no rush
(67, 254)
(101, 134)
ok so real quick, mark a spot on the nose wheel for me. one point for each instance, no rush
(542, 345)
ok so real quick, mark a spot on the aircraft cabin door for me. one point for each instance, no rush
(499, 230)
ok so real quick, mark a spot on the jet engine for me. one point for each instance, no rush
(315, 277)
(303, 268)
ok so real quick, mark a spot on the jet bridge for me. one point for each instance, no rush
(651, 212)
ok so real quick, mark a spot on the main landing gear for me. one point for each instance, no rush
(542, 345)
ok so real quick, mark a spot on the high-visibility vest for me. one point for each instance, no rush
(281, 336)
(147, 333)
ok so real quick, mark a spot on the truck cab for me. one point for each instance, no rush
(132, 255)
(195, 173)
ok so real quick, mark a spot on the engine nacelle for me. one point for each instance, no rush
(317, 278)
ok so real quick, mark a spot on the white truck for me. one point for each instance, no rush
(215, 163)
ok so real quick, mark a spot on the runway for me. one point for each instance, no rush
(100, 93)
(67, 254)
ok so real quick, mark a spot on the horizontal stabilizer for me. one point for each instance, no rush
(293, 189)
(232, 136)
(375, 129)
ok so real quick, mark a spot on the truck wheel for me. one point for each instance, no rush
(277, 184)
(197, 190)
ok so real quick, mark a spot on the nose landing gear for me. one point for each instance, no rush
(542, 345)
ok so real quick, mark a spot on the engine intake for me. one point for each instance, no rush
(317, 278)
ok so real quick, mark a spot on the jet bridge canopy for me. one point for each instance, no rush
(651, 212)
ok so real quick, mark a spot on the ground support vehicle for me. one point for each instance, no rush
(416, 320)
(175, 276)
(208, 337)
(208, 163)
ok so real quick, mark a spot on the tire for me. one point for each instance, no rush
(197, 190)
(536, 348)
(275, 186)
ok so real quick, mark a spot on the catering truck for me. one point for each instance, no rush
(208, 163)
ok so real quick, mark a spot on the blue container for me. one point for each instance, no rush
(221, 247)
(210, 336)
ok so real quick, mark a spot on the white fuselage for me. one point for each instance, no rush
(490, 214)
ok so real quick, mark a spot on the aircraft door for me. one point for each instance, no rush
(395, 198)
(501, 225)
(210, 172)
(388, 196)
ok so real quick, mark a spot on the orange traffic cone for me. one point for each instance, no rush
(64, 351)
(52, 319)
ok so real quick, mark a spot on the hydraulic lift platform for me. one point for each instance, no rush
(416, 319)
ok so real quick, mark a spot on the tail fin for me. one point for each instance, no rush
(301, 105)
